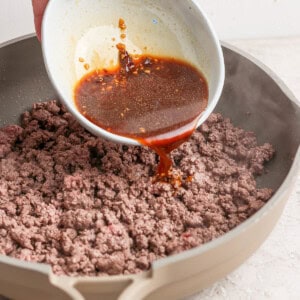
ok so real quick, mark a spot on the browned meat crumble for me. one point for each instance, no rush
(87, 206)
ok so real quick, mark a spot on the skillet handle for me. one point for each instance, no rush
(21, 280)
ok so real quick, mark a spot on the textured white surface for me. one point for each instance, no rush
(233, 19)
(273, 272)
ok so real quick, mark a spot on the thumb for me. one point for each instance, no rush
(38, 11)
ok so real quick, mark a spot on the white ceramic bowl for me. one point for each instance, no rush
(85, 28)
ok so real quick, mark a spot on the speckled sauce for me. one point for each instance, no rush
(154, 100)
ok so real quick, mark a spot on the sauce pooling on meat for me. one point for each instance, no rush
(154, 100)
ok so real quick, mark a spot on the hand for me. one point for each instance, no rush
(38, 11)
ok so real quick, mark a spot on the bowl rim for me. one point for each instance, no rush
(278, 196)
(98, 131)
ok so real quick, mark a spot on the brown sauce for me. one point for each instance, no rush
(154, 100)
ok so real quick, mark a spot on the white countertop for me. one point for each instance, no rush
(273, 272)
(232, 19)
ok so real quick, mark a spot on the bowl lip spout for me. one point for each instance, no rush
(98, 131)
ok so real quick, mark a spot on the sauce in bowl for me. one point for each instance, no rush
(154, 100)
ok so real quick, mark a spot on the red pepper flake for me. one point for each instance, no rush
(186, 235)
(122, 24)
(121, 47)
(190, 178)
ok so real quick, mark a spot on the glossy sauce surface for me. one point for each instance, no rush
(155, 100)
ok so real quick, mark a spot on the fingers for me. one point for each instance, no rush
(38, 11)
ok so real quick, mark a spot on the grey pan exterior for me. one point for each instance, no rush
(253, 97)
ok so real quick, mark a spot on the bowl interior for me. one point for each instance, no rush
(88, 30)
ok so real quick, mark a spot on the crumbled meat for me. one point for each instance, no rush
(87, 206)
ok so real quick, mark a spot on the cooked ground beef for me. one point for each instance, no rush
(87, 206)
